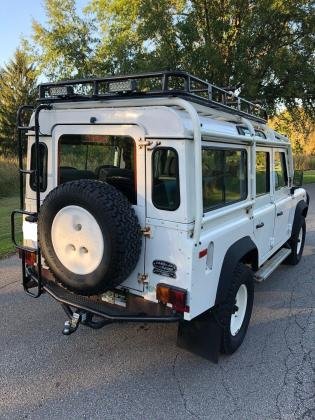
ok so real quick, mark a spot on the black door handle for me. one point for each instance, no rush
(280, 213)
(260, 225)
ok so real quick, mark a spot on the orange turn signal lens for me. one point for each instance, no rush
(174, 295)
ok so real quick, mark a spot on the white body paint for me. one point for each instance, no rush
(176, 236)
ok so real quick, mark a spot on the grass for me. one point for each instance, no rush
(309, 177)
(9, 177)
(6, 206)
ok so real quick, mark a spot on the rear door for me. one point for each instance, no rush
(264, 207)
(282, 196)
(98, 152)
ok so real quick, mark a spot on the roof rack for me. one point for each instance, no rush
(155, 84)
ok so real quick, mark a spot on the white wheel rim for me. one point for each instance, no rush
(299, 241)
(238, 316)
(77, 240)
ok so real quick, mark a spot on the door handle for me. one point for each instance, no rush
(260, 225)
(280, 213)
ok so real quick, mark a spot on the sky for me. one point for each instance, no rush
(16, 21)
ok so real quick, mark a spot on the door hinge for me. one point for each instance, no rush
(143, 143)
(146, 231)
(143, 278)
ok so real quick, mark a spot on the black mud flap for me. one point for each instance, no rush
(201, 336)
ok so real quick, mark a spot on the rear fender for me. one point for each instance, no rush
(234, 254)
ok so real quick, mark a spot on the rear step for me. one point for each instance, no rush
(270, 265)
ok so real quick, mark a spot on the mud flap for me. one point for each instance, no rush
(201, 336)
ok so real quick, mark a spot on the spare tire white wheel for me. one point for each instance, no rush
(89, 235)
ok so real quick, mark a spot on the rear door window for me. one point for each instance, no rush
(262, 173)
(109, 159)
(280, 170)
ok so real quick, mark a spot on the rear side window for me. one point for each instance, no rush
(280, 169)
(42, 149)
(262, 173)
(224, 177)
(165, 179)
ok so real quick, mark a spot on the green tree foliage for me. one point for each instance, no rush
(65, 43)
(17, 87)
(262, 48)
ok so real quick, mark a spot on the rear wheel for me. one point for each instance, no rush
(296, 242)
(237, 309)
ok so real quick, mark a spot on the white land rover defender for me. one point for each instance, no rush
(155, 197)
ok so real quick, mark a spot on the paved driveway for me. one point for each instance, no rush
(136, 371)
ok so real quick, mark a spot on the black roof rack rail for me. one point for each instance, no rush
(154, 84)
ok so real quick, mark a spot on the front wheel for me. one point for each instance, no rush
(296, 242)
(237, 309)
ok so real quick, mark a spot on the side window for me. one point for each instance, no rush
(42, 148)
(262, 173)
(165, 179)
(224, 177)
(280, 170)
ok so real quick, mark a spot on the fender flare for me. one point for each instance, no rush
(300, 209)
(233, 255)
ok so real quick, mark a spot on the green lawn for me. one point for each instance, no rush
(6, 206)
(309, 177)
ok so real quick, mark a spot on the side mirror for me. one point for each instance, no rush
(297, 180)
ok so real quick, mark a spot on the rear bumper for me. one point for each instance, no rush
(137, 308)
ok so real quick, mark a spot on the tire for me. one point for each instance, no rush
(89, 236)
(241, 293)
(297, 242)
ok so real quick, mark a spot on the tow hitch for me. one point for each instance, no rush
(81, 317)
(72, 325)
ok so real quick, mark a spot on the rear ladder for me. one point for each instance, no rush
(28, 280)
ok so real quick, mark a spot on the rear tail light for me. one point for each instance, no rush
(173, 295)
(30, 257)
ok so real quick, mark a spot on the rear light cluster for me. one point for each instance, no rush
(173, 295)
(30, 257)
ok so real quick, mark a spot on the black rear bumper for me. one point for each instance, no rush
(137, 310)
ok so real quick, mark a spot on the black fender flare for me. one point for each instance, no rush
(233, 255)
(300, 209)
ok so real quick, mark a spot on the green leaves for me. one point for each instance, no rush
(17, 87)
(262, 48)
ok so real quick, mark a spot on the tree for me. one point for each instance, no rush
(300, 129)
(63, 49)
(17, 87)
(264, 49)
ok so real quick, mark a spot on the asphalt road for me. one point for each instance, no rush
(132, 371)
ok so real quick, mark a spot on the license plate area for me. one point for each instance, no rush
(115, 298)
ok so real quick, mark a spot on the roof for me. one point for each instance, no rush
(149, 114)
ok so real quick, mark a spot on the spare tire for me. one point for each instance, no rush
(89, 236)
